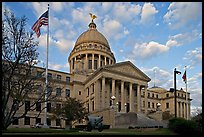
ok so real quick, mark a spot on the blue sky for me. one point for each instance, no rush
(157, 37)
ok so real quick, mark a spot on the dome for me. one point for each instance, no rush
(92, 35)
(157, 89)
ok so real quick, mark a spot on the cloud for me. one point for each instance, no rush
(148, 50)
(181, 13)
(148, 12)
(159, 77)
(116, 28)
(194, 57)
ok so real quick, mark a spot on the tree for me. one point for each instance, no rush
(72, 109)
(19, 55)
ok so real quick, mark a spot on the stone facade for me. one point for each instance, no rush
(108, 88)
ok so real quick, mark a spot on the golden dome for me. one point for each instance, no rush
(92, 35)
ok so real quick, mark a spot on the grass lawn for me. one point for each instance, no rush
(114, 131)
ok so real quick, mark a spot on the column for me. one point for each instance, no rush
(131, 102)
(99, 60)
(90, 99)
(97, 95)
(105, 59)
(113, 87)
(138, 98)
(103, 93)
(92, 61)
(70, 65)
(109, 61)
(184, 110)
(145, 95)
(116, 93)
(86, 62)
(122, 97)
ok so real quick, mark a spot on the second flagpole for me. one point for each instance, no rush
(46, 81)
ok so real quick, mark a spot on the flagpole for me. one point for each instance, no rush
(186, 97)
(46, 81)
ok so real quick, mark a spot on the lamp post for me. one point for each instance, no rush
(125, 107)
(175, 104)
(113, 98)
(117, 106)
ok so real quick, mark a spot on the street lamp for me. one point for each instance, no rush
(117, 106)
(175, 72)
(113, 98)
(125, 107)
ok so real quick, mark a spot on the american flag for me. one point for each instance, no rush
(184, 77)
(43, 20)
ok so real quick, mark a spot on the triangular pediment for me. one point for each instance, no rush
(129, 69)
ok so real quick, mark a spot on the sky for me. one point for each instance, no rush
(156, 37)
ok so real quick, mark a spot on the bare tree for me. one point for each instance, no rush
(19, 55)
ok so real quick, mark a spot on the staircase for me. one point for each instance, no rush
(125, 120)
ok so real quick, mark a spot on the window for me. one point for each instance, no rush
(48, 121)
(26, 121)
(178, 94)
(167, 105)
(67, 92)
(27, 105)
(49, 75)
(157, 96)
(152, 105)
(79, 92)
(73, 64)
(58, 91)
(93, 88)
(67, 79)
(92, 105)
(48, 107)
(37, 120)
(38, 106)
(153, 95)
(15, 122)
(59, 77)
(148, 104)
(90, 64)
(148, 95)
(88, 91)
(167, 95)
(58, 122)
(95, 64)
(143, 103)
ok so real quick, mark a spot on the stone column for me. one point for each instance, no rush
(105, 59)
(122, 97)
(90, 99)
(145, 95)
(92, 61)
(113, 87)
(109, 61)
(184, 110)
(131, 102)
(116, 93)
(103, 93)
(86, 62)
(97, 95)
(138, 98)
(70, 65)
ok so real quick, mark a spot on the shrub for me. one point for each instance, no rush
(184, 127)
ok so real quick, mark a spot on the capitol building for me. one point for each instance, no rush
(107, 88)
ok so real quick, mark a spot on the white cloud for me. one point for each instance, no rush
(126, 12)
(39, 8)
(181, 13)
(159, 77)
(57, 6)
(115, 27)
(148, 12)
(147, 50)
(194, 57)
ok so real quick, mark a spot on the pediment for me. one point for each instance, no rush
(127, 68)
